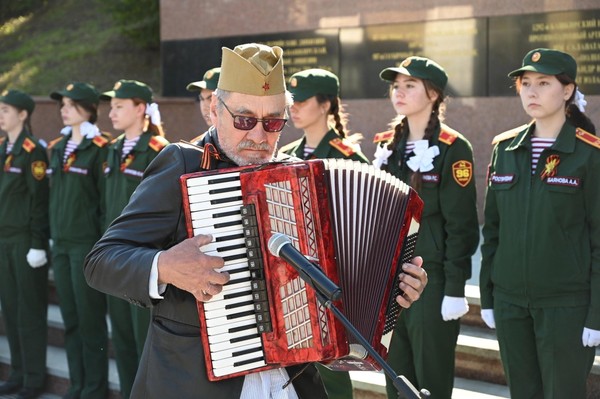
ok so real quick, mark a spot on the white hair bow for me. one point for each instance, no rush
(422, 161)
(87, 129)
(154, 114)
(381, 156)
(579, 100)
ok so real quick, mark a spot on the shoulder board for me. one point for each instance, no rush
(28, 144)
(588, 137)
(448, 136)
(342, 146)
(157, 143)
(383, 136)
(53, 142)
(290, 146)
(100, 141)
(509, 134)
(107, 135)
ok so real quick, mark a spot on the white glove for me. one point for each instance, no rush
(454, 307)
(36, 257)
(590, 337)
(488, 317)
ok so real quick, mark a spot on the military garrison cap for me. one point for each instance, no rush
(18, 99)
(129, 89)
(78, 91)
(254, 69)
(308, 83)
(419, 67)
(209, 81)
(548, 62)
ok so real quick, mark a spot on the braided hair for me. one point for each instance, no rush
(148, 125)
(401, 128)
(338, 116)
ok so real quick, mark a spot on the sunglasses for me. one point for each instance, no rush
(271, 125)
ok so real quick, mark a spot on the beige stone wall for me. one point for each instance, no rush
(195, 19)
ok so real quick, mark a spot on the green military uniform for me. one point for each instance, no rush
(423, 344)
(337, 383)
(331, 146)
(129, 322)
(540, 259)
(24, 289)
(77, 209)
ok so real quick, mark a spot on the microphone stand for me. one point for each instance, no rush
(401, 383)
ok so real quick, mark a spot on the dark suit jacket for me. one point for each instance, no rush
(172, 364)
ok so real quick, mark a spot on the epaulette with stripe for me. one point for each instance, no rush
(509, 134)
(107, 135)
(100, 141)
(383, 136)
(157, 143)
(342, 146)
(447, 135)
(54, 142)
(28, 144)
(588, 138)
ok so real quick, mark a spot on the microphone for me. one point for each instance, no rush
(281, 246)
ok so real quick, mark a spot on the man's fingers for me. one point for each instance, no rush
(202, 239)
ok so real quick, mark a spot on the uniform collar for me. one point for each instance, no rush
(565, 141)
(18, 145)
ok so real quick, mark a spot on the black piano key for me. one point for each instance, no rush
(244, 338)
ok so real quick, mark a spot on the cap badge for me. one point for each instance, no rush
(266, 87)
(406, 62)
(70, 87)
(294, 82)
(551, 166)
(117, 86)
(536, 56)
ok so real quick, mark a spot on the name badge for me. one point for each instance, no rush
(563, 181)
(502, 179)
(431, 178)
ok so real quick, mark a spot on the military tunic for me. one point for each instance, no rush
(129, 322)
(541, 259)
(23, 289)
(423, 344)
(338, 384)
(77, 210)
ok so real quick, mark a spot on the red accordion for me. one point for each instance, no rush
(359, 224)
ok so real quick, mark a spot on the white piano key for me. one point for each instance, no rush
(226, 357)
(208, 198)
(205, 204)
(231, 312)
(206, 180)
(234, 324)
(220, 321)
(231, 343)
(218, 246)
(228, 337)
(214, 309)
(212, 222)
(231, 370)
(210, 229)
(211, 212)
(237, 288)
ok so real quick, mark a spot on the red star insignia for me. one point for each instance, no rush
(266, 87)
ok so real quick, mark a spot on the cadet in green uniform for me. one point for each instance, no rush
(438, 162)
(77, 211)
(205, 89)
(316, 109)
(23, 243)
(540, 271)
(132, 111)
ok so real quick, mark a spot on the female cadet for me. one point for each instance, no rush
(133, 112)
(76, 220)
(438, 162)
(540, 272)
(316, 109)
(23, 244)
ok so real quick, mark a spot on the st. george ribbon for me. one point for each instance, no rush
(281, 246)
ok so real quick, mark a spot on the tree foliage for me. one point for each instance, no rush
(137, 19)
(12, 9)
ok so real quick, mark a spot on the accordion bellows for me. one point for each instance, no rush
(358, 223)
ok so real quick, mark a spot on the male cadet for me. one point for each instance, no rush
(206, 87)
(144, 256)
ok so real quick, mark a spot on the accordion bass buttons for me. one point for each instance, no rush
(255, 263)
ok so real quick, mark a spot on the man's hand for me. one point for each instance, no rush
(412, 281)
(187, 268)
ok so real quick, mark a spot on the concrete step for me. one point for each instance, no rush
(57, 370)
